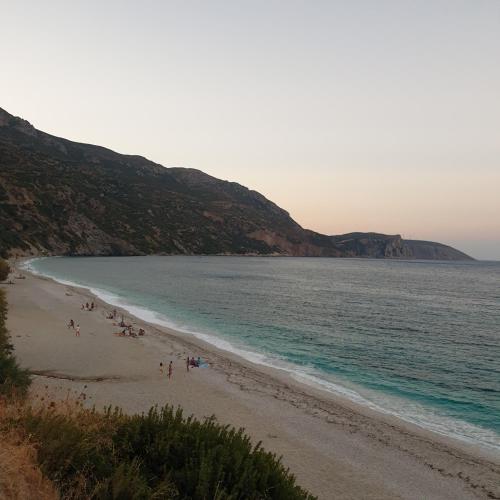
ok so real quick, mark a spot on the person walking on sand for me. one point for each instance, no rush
(77, 334)
(170, 370)
(161, 367)
(187, 363)
(71, 324)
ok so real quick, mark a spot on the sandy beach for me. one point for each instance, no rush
(335, 448)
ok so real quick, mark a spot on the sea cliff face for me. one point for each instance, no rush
(59, 197)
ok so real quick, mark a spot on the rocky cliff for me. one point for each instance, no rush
(434, 251)
(66, 198)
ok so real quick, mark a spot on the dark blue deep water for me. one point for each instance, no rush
(417, 339)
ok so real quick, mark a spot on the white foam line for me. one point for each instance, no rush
(413, 413)
(420, 416)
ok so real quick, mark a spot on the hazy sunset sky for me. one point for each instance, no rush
(352, 115)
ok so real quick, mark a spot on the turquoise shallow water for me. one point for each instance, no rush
(420, 340)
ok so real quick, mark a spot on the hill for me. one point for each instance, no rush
(59, 197)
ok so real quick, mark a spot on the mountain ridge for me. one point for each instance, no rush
(60, 197)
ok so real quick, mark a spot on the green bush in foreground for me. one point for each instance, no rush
(158, 455)
(13, 380)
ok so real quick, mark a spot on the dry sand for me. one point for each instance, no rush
(335, 448)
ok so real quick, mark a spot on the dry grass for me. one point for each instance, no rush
(20, 476)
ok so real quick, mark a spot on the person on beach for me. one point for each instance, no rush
(198, 362)
(77, 334)
(71, 324)
(187, 363)
(92, 306)
(170, 370)
(161, 367)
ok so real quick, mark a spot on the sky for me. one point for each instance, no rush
(352, 115)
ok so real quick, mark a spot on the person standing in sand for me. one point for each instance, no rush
(77, 334)
(161, 367)
(71, 324)
(187, 363)
(170, 370)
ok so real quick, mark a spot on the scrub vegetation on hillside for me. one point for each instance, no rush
(13, 379)
(4, 270)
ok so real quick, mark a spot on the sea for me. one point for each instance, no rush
(419, 340)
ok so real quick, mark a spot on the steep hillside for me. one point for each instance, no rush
(63, 197)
